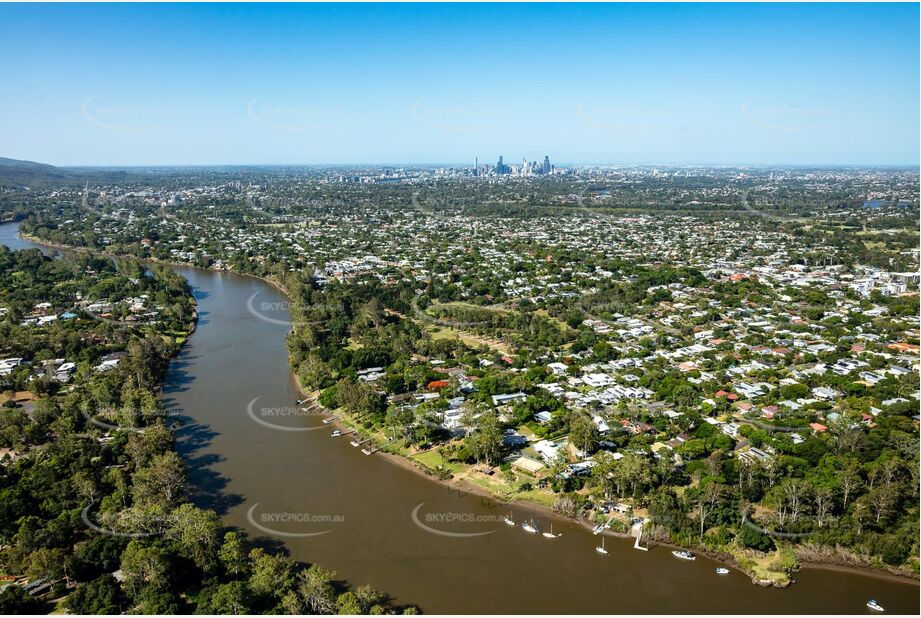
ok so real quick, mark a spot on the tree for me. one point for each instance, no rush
(769, 468)
(46, 562)
(860, 512)
(313, 372)
(159, 602)
(632, 473)
(582, 432)
(823, 497)
(271, 576)
(98, 555)
(315, 590)
(603, 473)
(86, 485)
(369, 598)
(143, 446)
(15, 600)
(399, 421)
(749, 536)
(849, 480)
(794, 493)
(348, 604)
(99, 596)
(890, 471)
(161, 482)
(360, 399)
(196, 530)
(232, 598)
(233, 554)
(485, 442)
(707, 500)
(882, 499)
(144, 566)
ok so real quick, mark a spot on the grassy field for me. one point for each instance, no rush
(445, 332)
(772, 566)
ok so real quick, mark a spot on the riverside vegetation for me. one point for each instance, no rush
(84, 435)
(744, 383)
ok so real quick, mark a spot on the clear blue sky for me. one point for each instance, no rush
(216, 84)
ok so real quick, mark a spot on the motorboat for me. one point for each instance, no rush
(876, 607)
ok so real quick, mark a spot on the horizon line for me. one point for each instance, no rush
(564, 164)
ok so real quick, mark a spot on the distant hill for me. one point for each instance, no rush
(16, 171)
(31, 166)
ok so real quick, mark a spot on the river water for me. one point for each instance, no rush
(377, 523)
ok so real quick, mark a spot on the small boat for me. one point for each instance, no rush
(529, 527)
(550, 534)
(684, 555)
(876, 607)
(508, 520)
(598, 529)
(722, 571)
(600, 548)
(336, 433)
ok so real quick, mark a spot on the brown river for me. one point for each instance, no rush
(274, 471)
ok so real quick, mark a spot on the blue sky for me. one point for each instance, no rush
(645, 84)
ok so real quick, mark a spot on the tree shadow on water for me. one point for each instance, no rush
(179, 377)
(207, 488)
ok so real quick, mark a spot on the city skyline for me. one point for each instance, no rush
(426, 84)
